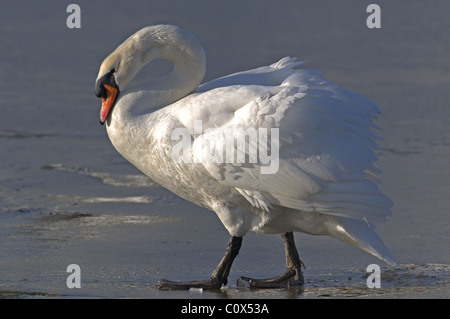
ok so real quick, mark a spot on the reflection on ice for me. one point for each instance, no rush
(82, 219)
(69, 226)
(400, 281)
(131, 199)
(134, 181)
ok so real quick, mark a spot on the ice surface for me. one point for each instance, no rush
(67, 197)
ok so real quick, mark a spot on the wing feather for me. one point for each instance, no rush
(325, 141)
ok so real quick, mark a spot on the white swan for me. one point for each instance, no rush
(322, 180)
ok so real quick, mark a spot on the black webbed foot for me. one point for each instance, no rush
(218, 278)
(293, 277)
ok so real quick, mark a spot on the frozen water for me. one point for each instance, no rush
(67, 197)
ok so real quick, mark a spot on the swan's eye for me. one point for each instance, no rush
(108, 79)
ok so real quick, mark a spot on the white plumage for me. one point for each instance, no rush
(326, 182)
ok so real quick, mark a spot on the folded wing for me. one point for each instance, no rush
(313, 141)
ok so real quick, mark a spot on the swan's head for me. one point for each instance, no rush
(116, 71)
(160, 41)
(106, 87)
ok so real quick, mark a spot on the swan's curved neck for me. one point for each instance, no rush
(134, 120)
(175, 45)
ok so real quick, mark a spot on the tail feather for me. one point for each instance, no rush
(361, 234)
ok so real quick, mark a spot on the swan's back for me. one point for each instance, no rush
(326, 143)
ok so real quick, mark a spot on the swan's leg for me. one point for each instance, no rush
(219, 275)
(293, 275)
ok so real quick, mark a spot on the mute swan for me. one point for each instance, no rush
(321, 179)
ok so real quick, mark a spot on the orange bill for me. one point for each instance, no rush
(107, 103)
